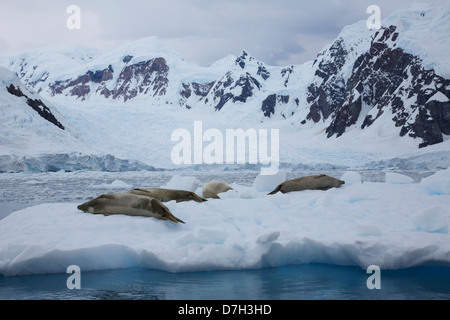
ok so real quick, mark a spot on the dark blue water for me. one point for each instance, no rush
(303, 282)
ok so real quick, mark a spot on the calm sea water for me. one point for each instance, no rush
(302, 282)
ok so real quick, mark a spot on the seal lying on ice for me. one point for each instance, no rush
(212, 189)
(128, 204)
(319, 182)
(166, 195)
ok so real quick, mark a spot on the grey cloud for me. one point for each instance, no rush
(203, 31)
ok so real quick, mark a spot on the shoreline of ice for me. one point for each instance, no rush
(394, 224)
(431, 161)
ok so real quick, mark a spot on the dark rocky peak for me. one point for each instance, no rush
(286, 73)
(385, 34)
(387, 79)
(247, 82)
(248, 63)
(143, 77)
(37, 105)
(79, 87)
(224, 90)
(262, 71)
(269, 104)
(100, 75)
(243, 59)
(202, 89)
(327, 92)
(196, 91)
(331, 60)
(127, 59)
(15, 91)
(151, 77)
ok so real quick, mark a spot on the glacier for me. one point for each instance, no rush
(68, 162)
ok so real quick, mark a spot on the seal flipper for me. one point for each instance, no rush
(277, 189)
(163, 212)
(196, 198)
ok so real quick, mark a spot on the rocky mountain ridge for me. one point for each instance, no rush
(364, 78)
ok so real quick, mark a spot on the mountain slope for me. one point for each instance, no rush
(29, 124)
(385, 79)
(394, 81)
(34, 136)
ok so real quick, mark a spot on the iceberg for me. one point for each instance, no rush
(393, 226)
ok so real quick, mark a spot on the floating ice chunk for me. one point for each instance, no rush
(397, 178)
(438, 184)
(432, 220)
(269, 182)
(247, 192)
(183, 183)
(199, 190)
(230, 194)
(212, 236)
(116, 184)
(351, 177)
(373, 224)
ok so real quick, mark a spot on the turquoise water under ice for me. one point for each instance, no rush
(302, 282)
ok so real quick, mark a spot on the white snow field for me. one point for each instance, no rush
(389, 224)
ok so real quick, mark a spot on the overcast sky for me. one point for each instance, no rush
(278, 32)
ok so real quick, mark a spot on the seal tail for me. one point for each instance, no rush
(277, 189)
(199, 199)
(164, 212)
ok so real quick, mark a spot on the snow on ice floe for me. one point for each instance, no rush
(269, 182)
(386, 224)
(116, 184)
(394, 177)
(435, 185)
(432, 220)
(351, 177)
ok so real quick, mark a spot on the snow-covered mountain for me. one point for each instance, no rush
(34, 136)
(144, 69)
(393, 82)
(29, 122)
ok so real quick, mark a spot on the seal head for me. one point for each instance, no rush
(212, 189)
